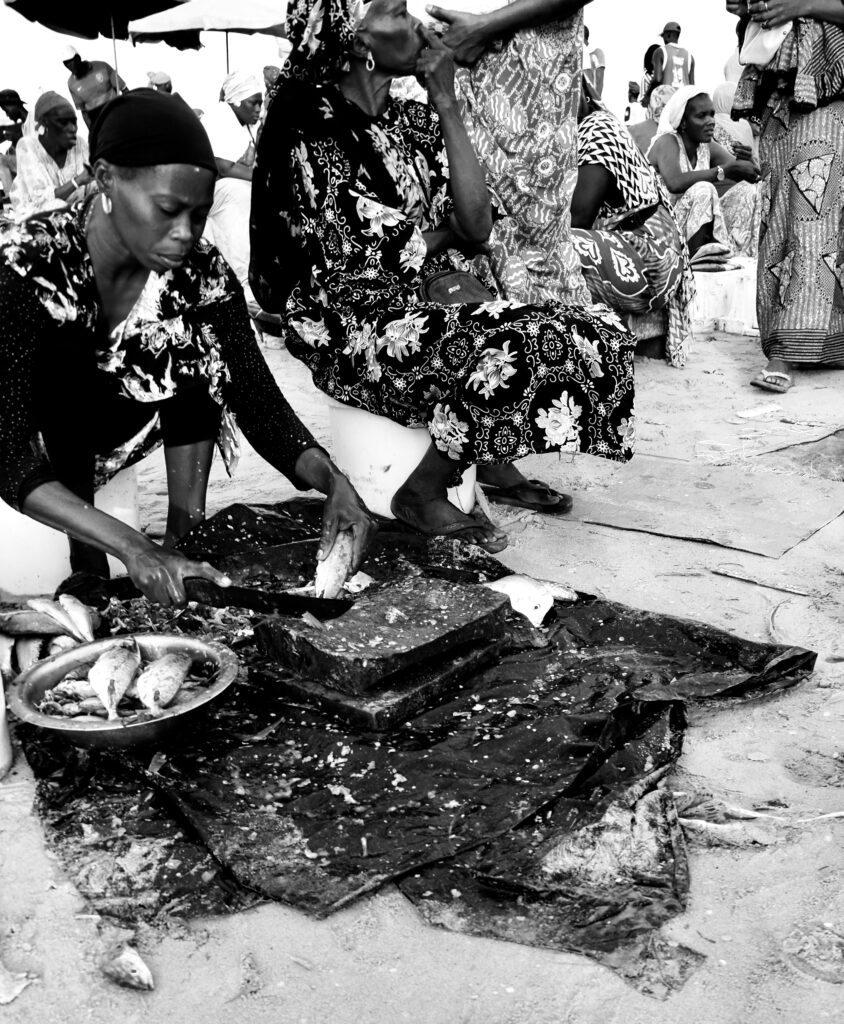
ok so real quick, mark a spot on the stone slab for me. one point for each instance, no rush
(384, 709)
(392, 628)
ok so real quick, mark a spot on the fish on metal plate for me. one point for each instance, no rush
(162, 679)
(112, 673)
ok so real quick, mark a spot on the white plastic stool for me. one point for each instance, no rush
(726, 300)
(378, 455)
(34, 559)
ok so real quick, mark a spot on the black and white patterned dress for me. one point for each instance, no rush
(340, 204)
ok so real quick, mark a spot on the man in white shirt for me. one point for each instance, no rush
(673, 64)
(229, 126)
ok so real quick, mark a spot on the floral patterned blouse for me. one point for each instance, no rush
(189, 326)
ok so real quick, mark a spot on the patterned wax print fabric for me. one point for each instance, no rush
(38, 177)
(340, 204)
(188, 335)
(734, 216)
(642, 265)
(164, 346)
(800, 300)
(520, 103)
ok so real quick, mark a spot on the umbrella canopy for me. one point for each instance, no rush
(194, 16)
(90, 18)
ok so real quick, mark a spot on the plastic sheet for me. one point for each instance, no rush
(491, 809)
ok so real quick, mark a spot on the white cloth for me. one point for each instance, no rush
(675, 109)
(733, 68)
(230, 140)
(227, 226)
(34, 190)
(739, 131)
(240, 85)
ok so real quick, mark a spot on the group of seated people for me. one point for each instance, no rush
(122, 330)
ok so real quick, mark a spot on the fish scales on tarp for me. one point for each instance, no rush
(499, 787)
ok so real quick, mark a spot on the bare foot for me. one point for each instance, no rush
(439, 518)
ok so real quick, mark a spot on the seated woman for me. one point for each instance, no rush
(117, 328)
(357, 199)
(633, 256)
(51, 164)
(691, 165)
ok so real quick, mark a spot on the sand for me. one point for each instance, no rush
(377, 963)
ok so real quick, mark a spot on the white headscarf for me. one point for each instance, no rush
(239, 86)
(675, 109)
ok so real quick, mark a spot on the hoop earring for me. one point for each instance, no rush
(105, 201)
(370, 61)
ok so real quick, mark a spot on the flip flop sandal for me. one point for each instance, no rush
(511, 496)
(455, 531)
(773, 380)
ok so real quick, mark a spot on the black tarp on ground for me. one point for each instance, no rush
(525, 807)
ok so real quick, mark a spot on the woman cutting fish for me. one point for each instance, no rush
(121, 331)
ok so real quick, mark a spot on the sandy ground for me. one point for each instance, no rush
(377, 962)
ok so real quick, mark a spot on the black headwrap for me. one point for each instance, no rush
(145, 128)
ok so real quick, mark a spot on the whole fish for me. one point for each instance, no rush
(333, 571)
(112, 673)
(56, 612)
(127, 968)
(7, 645)
(79, 615)
(27, 651)
(161, 680)
(26, 622)
(59, 644)
(73, 689)
(7, 755)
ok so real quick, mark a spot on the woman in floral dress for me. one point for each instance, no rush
(357, 199)
(118, 332)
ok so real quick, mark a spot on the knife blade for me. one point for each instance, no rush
(269, 603)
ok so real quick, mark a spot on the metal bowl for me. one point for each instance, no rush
(29, 689)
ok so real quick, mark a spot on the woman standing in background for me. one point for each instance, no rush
(799, 99)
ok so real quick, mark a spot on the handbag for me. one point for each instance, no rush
(449, 287)
(761, 44)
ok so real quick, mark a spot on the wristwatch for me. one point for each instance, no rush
(719, 171)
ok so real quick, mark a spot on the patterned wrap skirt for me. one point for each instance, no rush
(800, 299)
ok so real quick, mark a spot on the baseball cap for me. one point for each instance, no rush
(670, 26)
(158, 77)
